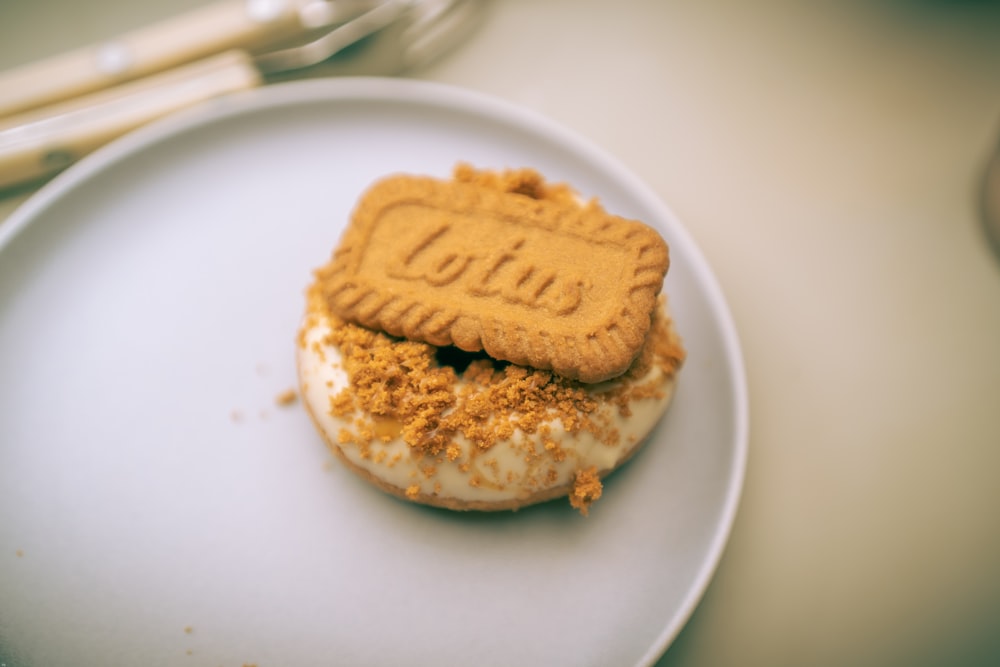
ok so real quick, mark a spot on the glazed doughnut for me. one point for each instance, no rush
(451, 429)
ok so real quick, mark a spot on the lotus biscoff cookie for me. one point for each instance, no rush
(489, 341)
(539, 282)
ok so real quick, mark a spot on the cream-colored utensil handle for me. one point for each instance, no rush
(42, 142)
(244, 24)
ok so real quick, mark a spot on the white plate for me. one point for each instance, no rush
(158, 507)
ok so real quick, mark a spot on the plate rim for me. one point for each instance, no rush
(448, 96)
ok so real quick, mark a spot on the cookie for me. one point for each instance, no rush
(502, 263)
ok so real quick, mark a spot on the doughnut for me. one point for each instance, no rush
(443, 427)
(458, 351)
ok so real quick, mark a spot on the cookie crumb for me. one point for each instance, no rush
(19, 553)
(236, 416)
(188, 629)
(586, 489)
(286, 397)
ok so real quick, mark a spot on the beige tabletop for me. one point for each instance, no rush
(827, 159)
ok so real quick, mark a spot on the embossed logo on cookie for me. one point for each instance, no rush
(442, 256)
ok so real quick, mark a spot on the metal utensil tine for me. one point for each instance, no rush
(333, 42)
(443, 24)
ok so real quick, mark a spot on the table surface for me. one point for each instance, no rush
(827, 157)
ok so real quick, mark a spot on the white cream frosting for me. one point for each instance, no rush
(514, 469)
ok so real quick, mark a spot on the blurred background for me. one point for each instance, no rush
(829, 159)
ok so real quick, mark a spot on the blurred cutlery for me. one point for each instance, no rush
(55, 111)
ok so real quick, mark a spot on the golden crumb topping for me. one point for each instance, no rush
(428, 394)
(587, 488)
(526, 182)
(286, 397)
